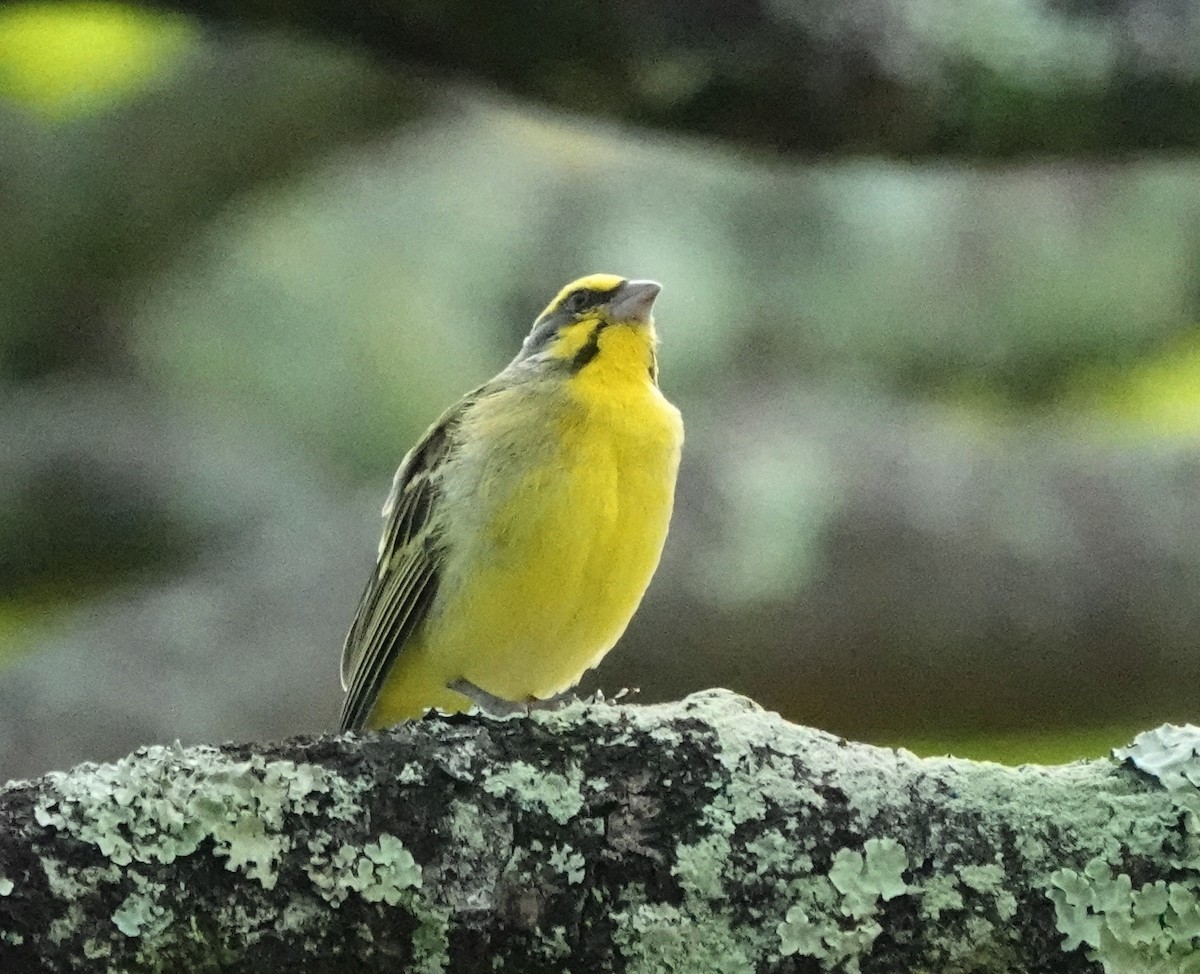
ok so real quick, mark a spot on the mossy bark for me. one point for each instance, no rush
(706, 835)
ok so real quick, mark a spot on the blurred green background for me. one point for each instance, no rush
(935, 342)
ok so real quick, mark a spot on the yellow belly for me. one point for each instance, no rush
(562, 565)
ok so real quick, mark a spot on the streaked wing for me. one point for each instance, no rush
(405, 580)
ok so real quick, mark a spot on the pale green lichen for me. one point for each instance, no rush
(431, 939)
(559, 796)
(393, 867)
(63, 927)
(468, 829)
(1033, 848)
(381, 871)
(857, 881)
(297, 916)
(1154, 929)
(554, 946)
(142, 912)
(1172, 755)
(874, 874)
(989, 878)
(411, 774)
(693, 936)
(6, 886)
(1169, 753)
(159, 805)
(569, 862)
(654, 938)
(384, 871)
(97, 949)
(622, 725)
(702, 867)
(68, 883)
(773, 852)
(825, 941)
(747, 739)
(939, 894)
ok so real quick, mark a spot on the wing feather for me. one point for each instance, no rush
(404, 603)
(405, 580)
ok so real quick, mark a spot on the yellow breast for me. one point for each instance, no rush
(573, 553)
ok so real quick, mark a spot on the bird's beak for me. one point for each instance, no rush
(632, 302)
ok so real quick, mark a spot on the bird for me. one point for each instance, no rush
(523, 528)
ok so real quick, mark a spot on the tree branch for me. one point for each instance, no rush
(879, 76)
(701, 836)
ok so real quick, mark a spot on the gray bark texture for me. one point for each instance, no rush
(705, 835)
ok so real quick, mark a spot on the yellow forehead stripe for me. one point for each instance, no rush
(593, 282)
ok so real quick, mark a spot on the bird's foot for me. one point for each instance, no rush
(492, 704)
(550, 703)
(485, 701)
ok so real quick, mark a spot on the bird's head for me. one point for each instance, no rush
(602, 322)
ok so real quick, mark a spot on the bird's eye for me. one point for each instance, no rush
(576, 301)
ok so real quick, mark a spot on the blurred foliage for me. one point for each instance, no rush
(65, 59)
(1060, 294)
(1157, 395)
(942, 417)
(1035, 745)
(93, 203)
